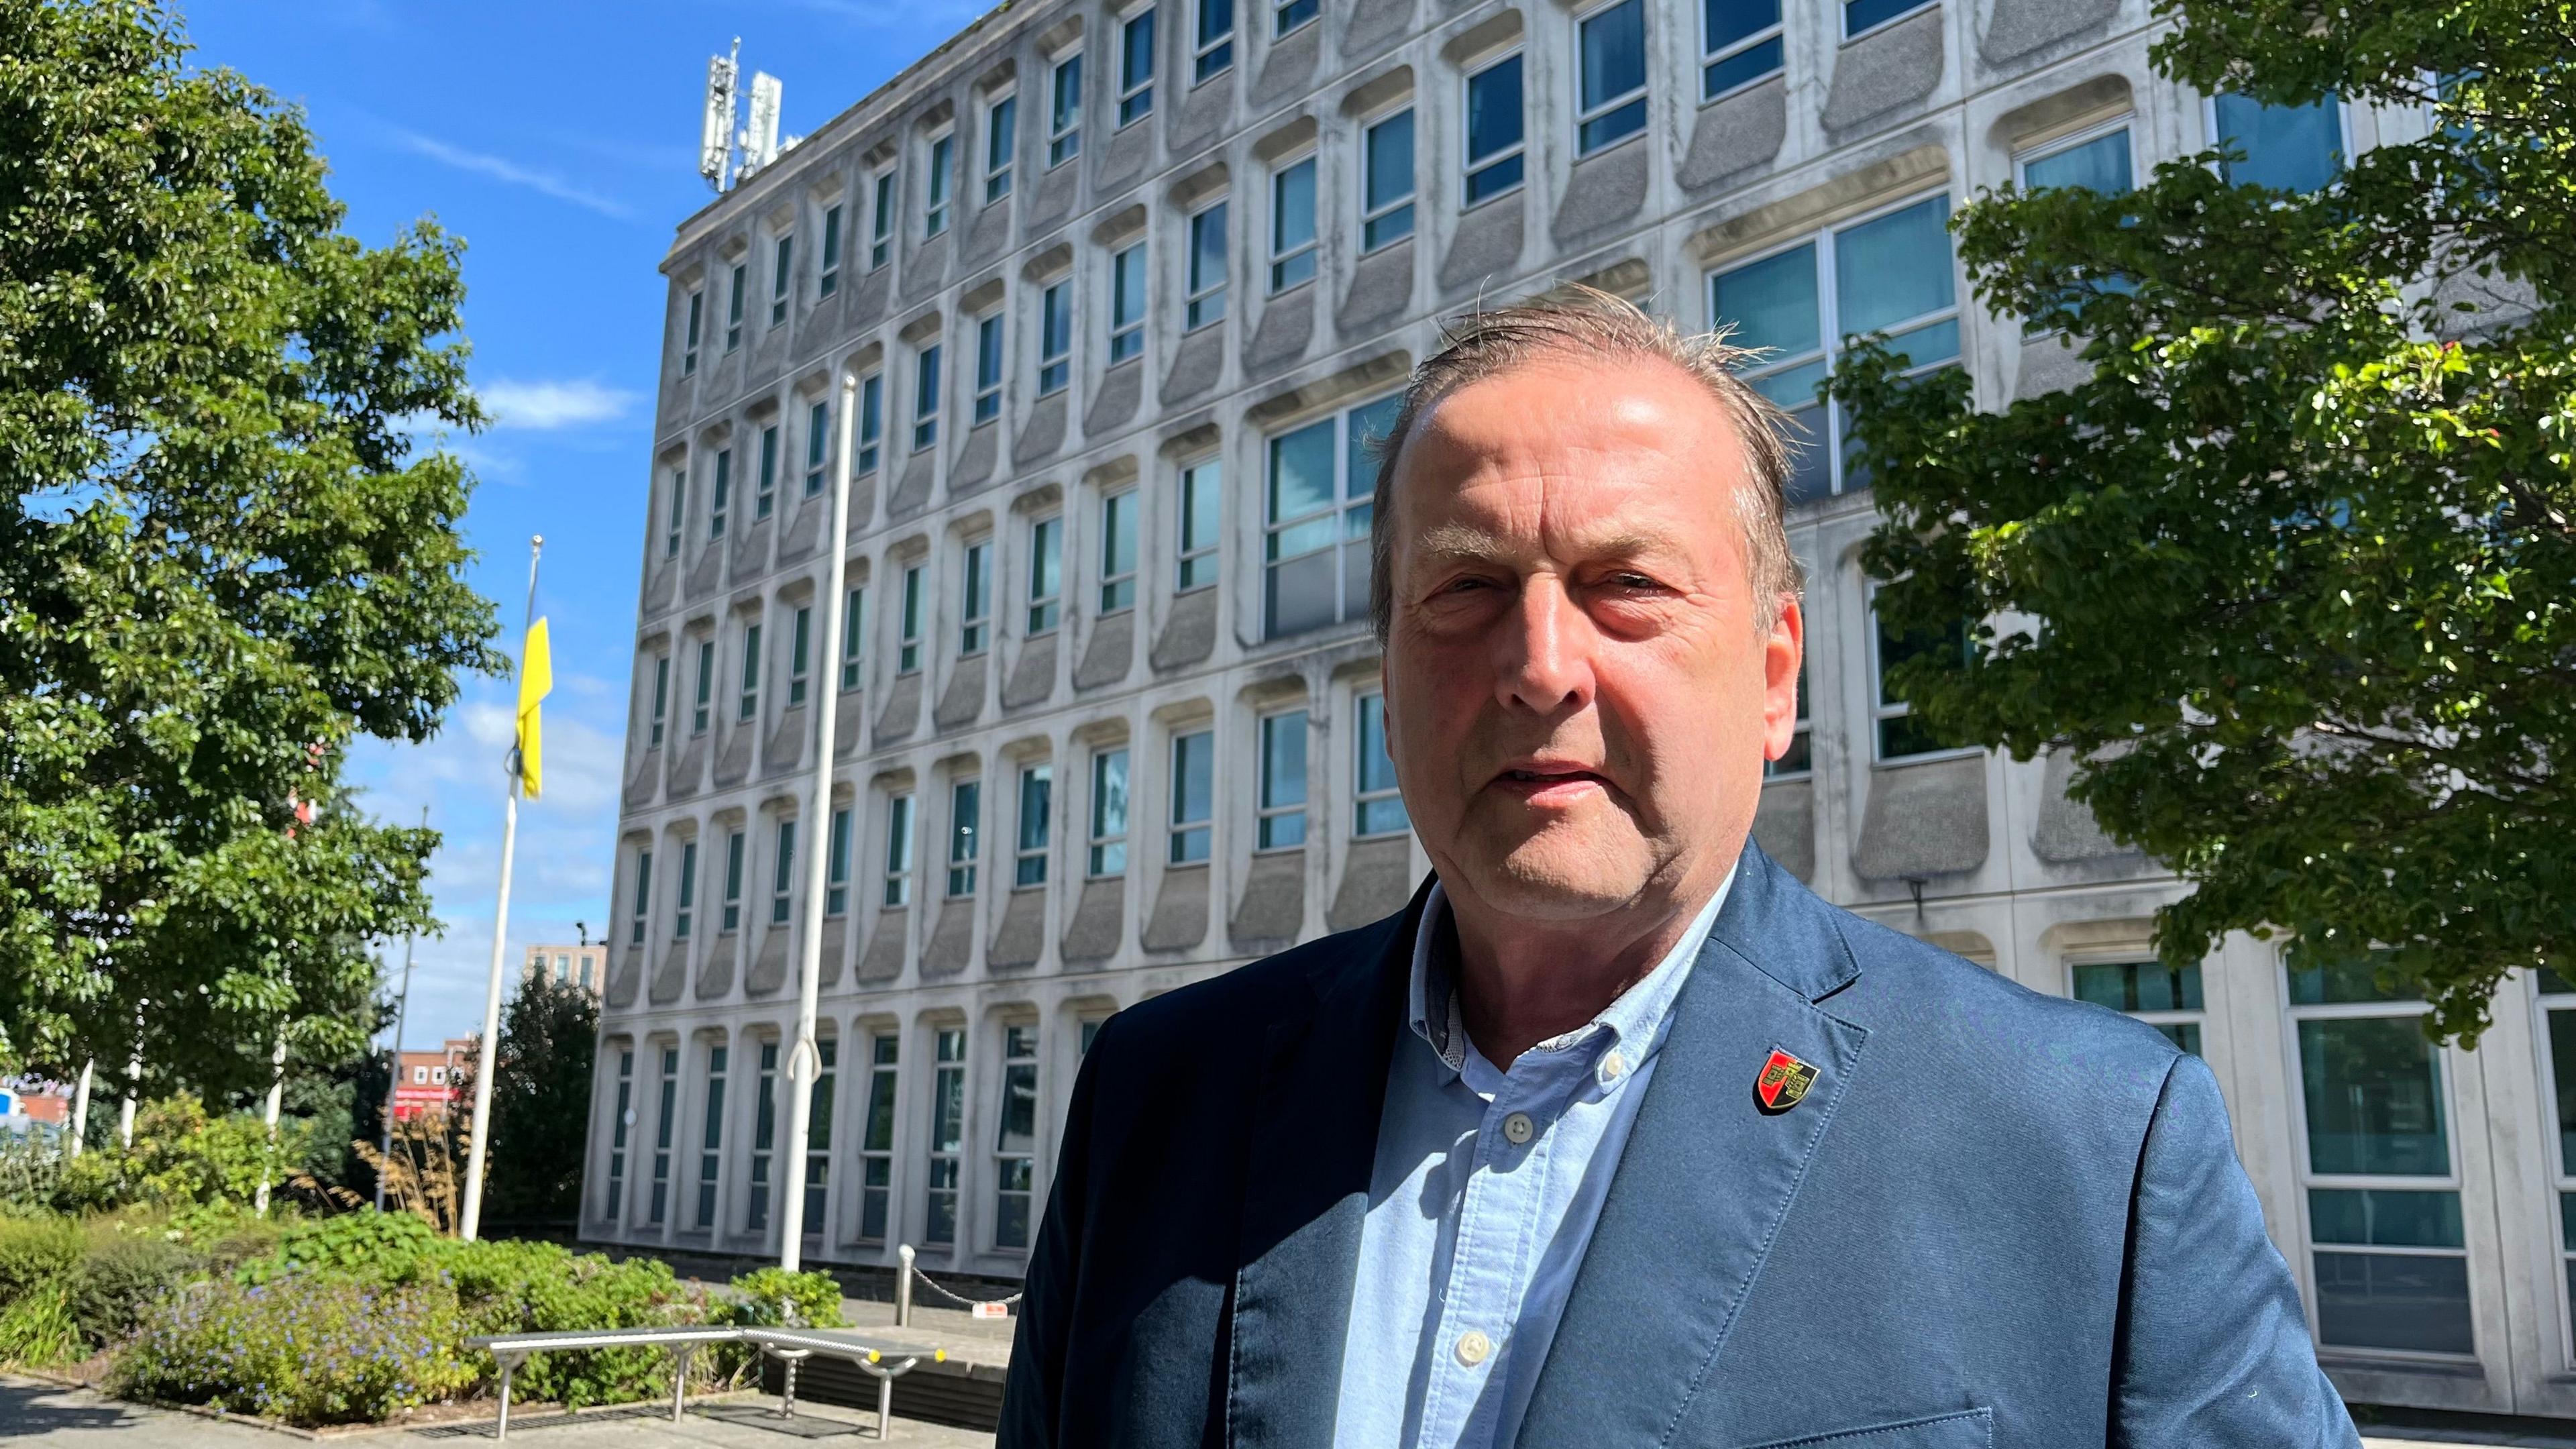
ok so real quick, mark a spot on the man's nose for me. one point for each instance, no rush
(1542, 651)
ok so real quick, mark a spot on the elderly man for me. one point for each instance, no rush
(1617, 1135)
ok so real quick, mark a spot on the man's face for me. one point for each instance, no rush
(1578, 699)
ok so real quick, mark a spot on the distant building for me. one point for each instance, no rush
(430, 1081)
(31, 1102)
(582, 966)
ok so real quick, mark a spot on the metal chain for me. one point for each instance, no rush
(959, 1298)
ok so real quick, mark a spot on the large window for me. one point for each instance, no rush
(1378, 807)
(684, 914)
(876, 1139)
(836, 866)
(643, 896)
(1739, 44)
(1001, 138)
(711, 1139)
(747, 698)
(2165, 997)
(1127, 304)
(1901, 733)
(1015, 1146)
(665, 1119)
(1890, 273)
(1206, 301)
(2383, 1195)
(871, 422)
(818, 446)
(925, 398)
(1215, 48)
(782, 880)
(799, 652)
(2094, 161)
(679, 516)
(720, 498)
(1202, 513)
(1318, 498)
(898, 856)
(1287, 15)
(2287, 148)
(854, 639)
(1118, 552)
(828, 279)
(1193, 796)
(965, 834)
(1046, 574)
(736, 282)
(736, 847)
(1386, 180)
(617, 1133)
(765, 495)
(988, 368)
(689, 347)
(947, 1133)
(1055, 338)
(818, 1137)
(1611, 103)
(1862, 15)
(975, 614)
(907, 654)
(1108, 813)
(782, 279)
(2558, 1014)
(1064, 110)
(1037, 791)
(1282, 784)
(704, 706)
(1292, 224)
(1494, 129)
(934, 212)
(1800, 760)
(1136, 66)
(881, 232)
(661, 699)
(764, 1137)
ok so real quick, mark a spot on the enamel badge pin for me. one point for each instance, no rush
(1783, 1083)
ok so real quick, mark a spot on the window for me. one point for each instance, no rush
(782, 279)
(643, 893)
(965, 815)
(1317, 507)
(1377, 806)
(2383, 1196)
(1292, 13)
(1862, 15)
(782, 879)
(1109, 813)
(1292, 225)
(1889, 273)
(934, 214)
(666, 1110)
(1799, 761)
(2287, 148)
(1193, 796)
(2558, 1013)
(988, 368)
(765, 496)
(871, 422)
(1046, 574)
(1001, 136)
(1127, 304)
(1015, 1147)
(2096, 161)
(706, 687)
(720, 501)
(797, 651)
(1118, 552)
(748, 697)
(764, 1133)
(2165, 997)
(438, 1076)
(1611, 103)
(685, 913)
(947, 1132)
(1386, 181)
(876, 1139)
(1037, 791)
(925, 398)
(1206, 302)
(1283, 780)
(711, 1139)
(661, 699)
(908, 653)
(818, 445)
(881, 228)
(1494, 129)
(1064, 110)
(836, 875)
(679, 513)
(1090, 1033)
(828, 280)
(818, 1136)
(1902, 734)
(1215, 49)
(975, 626)
(1055, 338)
(1202, 512)
(733, 308)
(689, 338)
(616, 1130)
(1740, 43)
(1136, 66)
(734, 850)
(898, 856)
(420, 1076)
(854, 635)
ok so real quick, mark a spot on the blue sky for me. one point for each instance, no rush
(560, 142)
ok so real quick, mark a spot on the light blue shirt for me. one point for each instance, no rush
(1483, 1198)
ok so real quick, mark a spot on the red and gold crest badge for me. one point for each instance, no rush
(1783, 1083)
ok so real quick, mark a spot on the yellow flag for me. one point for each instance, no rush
(536, 681)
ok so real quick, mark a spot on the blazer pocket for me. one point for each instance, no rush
(1972, 1429)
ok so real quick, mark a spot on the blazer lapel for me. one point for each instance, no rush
(1313, 1144)
(1707, 1175)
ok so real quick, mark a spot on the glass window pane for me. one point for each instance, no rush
(1729, 21)
(1743, 68)
(2373, 1087)
(1773, 304)
(2411, 1303)
(1494, 109)
(2316, 981)
(2101, 164)
(1894, 268)
(2138, 985)
(1860, 15)
(1283, 760)
(1301, 471)
(1369, 425)
(1614, 52)
(2288, 148)
(2562, 1064)
(1390, 160)
(2385, 1217)
(1207, 248)
(1037, 789)
(1292, 210)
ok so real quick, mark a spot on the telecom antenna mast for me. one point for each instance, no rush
(715, 135)
(760, 138)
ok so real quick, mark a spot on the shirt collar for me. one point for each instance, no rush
(1635, 1020)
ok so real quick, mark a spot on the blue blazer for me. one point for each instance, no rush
(1996, 1218)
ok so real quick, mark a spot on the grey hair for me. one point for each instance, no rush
(1588, 324)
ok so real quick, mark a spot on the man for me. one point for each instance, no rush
(1618, 1135)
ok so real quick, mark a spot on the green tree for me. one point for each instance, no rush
(540, 1102)
(2301, 541)
(222, 560)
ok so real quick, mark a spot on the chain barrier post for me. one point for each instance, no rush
(903, 1286)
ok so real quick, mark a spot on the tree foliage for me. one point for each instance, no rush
(2301, 542)
(541, 1089)
(221, 559)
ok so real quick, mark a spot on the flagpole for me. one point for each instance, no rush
(805, 1064)
(393, 1077)
(471, 1220)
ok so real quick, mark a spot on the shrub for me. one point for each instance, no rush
(368, 1245)
(37, 1327)
(816, 1296)
(122, 1274)
(33, 1250)
(313, 1351)
(525, 1287)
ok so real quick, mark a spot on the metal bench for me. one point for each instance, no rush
(882, 1360)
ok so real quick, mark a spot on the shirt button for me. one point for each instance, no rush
(1613, 1067)
(1473, 1345)
(1518, 1129)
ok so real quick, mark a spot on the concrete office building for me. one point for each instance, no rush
(581, 967)
(1126, 288)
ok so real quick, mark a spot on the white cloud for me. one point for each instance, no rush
(539, 406)
(508, 172)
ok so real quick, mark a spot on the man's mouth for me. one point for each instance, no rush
(1550, 784)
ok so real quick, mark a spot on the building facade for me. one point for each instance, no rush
(582, 967)
(430, 1081)
(1127, 288)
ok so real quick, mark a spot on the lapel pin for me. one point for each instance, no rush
(1783, 1083)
